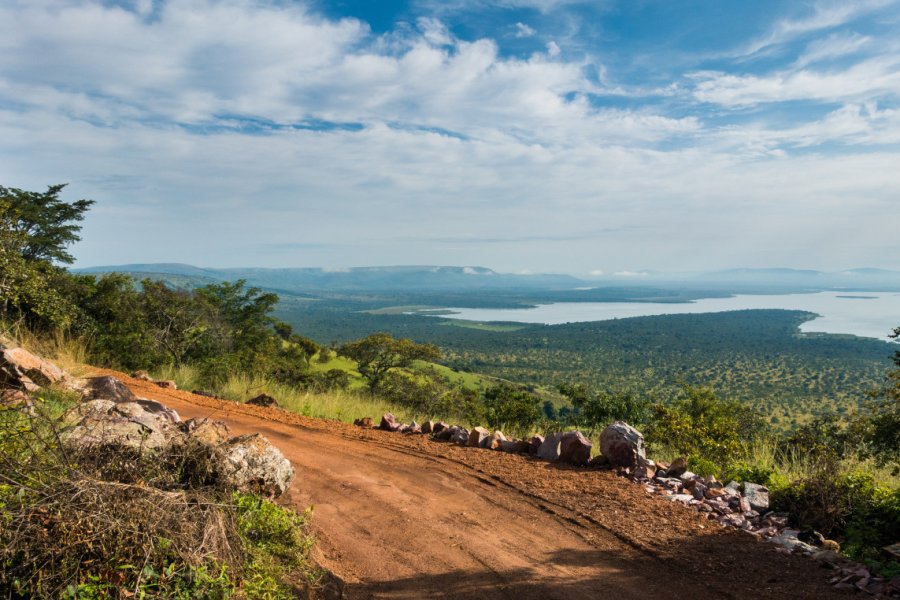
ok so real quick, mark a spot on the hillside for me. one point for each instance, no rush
(756, 356)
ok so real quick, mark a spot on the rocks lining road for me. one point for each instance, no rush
(742, 506)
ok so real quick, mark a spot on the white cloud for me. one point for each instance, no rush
(866, 79)
(630, 274)
(145, 116)
(837, 45)
(825, 16)
(524, 31)
(435, 32)
(552, 49)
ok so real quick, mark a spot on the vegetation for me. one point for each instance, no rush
(111, 522)
(378, 353)
(741, 395)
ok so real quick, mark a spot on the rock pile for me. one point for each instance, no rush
(111, 416)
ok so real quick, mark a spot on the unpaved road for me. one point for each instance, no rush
(402, 517)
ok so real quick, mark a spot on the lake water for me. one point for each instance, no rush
(866, 314)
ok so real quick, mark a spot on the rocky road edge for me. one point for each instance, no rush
(111, 415)
(741, 506)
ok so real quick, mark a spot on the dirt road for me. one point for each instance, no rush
(402, 517)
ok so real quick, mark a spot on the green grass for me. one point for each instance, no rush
(357, 381)
(477, 325)
(342, 406)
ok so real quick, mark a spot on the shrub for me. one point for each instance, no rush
(94, 522)
(702, 466)
(848, 506)
(510, 408)
(699, 423)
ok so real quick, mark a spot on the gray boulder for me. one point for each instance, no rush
(549, 450)
(534, 444)
(622, 445)
(443, 435)
(107, 388)
(139, 426)
(494, 441)
(209, 433)
(757, 496)
(263, 400)
(411, 428)
(677, 468)
(574, 448)
(251, 463)
(428, 426)
(459, 436)
(514, 446)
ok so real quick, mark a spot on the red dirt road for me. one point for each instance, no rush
(402, 517)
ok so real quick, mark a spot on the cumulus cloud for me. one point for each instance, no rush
(213, 132)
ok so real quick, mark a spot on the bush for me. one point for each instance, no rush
(702, 466)
(699, 423)
(95, 522)
(850, 507)
(511, 409)
(595, 410)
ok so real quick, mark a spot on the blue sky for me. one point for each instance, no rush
(523, 135)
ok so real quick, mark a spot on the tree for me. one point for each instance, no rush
(26, 286)
(48, 225)
(699, 423)
(241, 314)
(598, 409)
(508, 407)
(179, 324)
(378, 353)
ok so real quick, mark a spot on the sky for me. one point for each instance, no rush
(586, 137)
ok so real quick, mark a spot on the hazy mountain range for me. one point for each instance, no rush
(437, 278)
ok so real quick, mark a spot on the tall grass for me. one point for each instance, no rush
(342, 405)
(65, 350)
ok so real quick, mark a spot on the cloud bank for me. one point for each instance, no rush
(270, 133)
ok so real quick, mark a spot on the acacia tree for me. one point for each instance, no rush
(378, 353)
(46, 224)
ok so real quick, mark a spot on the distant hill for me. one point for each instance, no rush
(865, 278)
(399, 278)
(448, 278)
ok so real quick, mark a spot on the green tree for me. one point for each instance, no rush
(27, 285)
(179, 324)
(699, 423)
(378, 353)
(508, 407)
(240, 318)
(47, 224)
(594, 410)
(881, 426)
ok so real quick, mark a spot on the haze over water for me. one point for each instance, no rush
(866, 314)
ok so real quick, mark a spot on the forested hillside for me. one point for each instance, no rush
(756, 356)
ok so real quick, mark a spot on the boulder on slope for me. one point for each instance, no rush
(575, 449)
(622, 445)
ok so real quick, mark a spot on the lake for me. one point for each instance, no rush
(866, 314)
